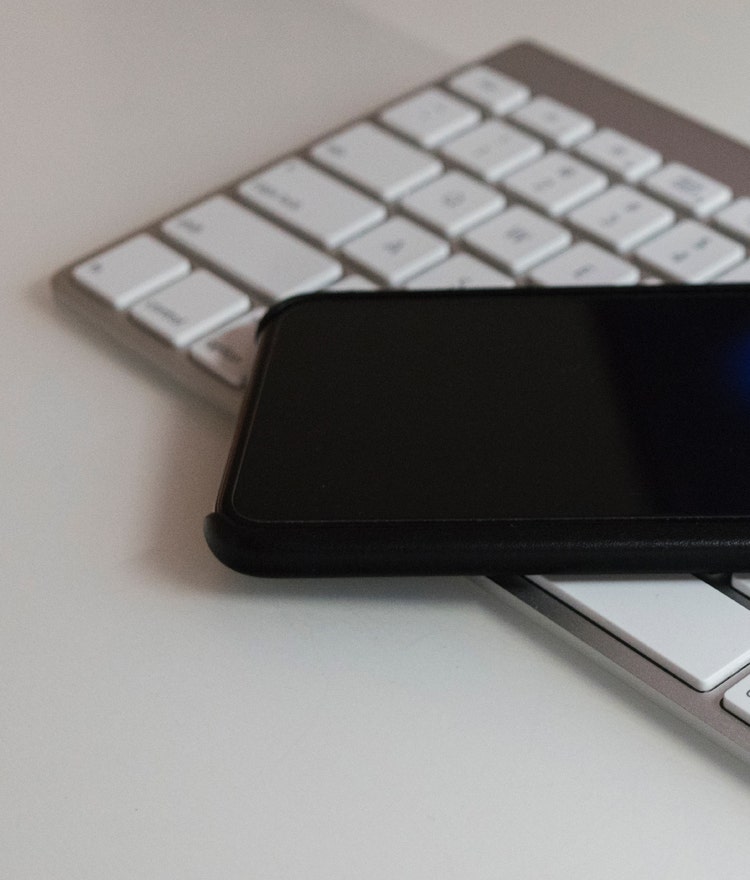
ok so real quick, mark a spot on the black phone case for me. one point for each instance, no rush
(417, 547)
(332, 550)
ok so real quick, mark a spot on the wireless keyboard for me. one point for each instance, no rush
(520, 169)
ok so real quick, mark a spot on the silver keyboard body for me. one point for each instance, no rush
(725, 164)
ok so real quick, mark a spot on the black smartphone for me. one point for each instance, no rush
(475, 432)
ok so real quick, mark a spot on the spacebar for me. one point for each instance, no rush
(689, 628)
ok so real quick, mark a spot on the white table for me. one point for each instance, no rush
(164, 718)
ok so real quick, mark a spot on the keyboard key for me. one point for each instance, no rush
(688, 189)
(460, 272)
(397, 250)
(196, 305)
(518, 239)
(584, 264)
(313, 202)
(129, 271)
(682, 624)
(556, 184)
(691, 253)
(619, 154)
(739, 275)
(377, 161)
(229, 352)
(453, 203)
(494, 149)
(251, 249)
(622, 218)
(741, 582)
(554, 121)
(431, 117)
(493, 91)
(737, 699)
(353, 282)
(736, 218)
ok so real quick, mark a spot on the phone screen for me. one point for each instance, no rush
(503, 406)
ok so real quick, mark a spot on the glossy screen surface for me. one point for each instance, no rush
(520, 405)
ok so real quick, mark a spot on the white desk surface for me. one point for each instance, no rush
(161, 717)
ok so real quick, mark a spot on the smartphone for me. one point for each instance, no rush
(579, 430)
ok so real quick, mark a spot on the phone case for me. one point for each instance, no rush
(296, 547)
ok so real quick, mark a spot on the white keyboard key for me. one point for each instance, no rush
(431, 117)
(494, 149)
(737, 699)
(131, 270)
(619, 154)
(460, 272)
(622, 218)
(377, 161)
(229, 353)
(739, 275)
(397, 250)
(490, 89)
(353, 282)
(736, 218)
(454, 203)
(196, 305)
(741, 582)
(691, 253)
(313, 202)
(557, 183)
(251, 249)
(557, 122)
(679, 622)
(688, 189)
(585, 264)
(518, 239)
